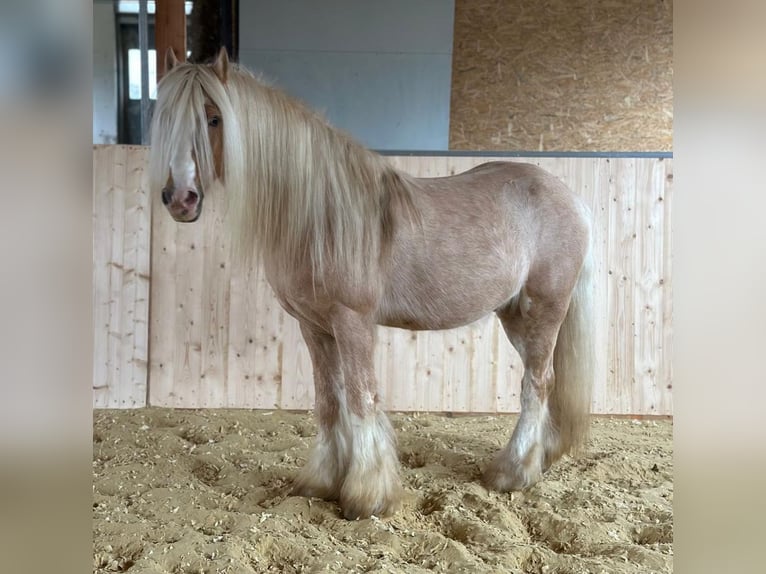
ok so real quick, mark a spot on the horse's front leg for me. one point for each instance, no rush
(322, 476)
(371, 485)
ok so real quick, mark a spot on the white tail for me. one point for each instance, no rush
(574, 367)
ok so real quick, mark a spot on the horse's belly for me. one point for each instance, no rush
(446, 302)
(435, 322)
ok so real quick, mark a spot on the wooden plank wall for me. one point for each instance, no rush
(121, 251)
(218, 337)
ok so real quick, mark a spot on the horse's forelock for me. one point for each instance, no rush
(179, 124)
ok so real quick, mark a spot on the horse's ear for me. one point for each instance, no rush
(171, 61)
(221, 65)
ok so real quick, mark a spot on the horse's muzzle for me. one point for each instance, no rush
(184, 205)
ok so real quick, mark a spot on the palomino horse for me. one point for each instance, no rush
(348, 243)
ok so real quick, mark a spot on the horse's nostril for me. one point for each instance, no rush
(191, 198)
(166, 196)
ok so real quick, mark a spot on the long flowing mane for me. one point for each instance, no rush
(295, 186)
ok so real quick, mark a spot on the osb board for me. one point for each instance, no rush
(562, 75)
(121, 236)
(219, 338)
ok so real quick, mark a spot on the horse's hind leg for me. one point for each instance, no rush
(322, 475)
(532, 323)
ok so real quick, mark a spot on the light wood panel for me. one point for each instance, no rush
(121, 252)
(220, 339)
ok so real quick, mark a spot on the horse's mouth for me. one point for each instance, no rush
(183, 214)
(192, 220)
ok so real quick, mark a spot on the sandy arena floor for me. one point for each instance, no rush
(191, 492)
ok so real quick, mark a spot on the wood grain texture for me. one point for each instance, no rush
(169, 32)
(121, 262)
(219, 338)
(562, 75)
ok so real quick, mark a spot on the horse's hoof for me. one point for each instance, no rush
(360, 509)
(312, 490)
(504, 476)
(362, 499)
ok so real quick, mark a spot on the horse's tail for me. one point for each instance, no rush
(574, 367)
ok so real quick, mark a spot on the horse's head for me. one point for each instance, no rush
(187, 134)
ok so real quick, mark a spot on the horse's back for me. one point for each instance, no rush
(519, 190)
(516, 194)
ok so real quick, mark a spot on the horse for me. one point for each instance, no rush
(347, 242)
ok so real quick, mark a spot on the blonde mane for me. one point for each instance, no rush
(295, 186)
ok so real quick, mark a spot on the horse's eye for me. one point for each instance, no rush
(214, 121)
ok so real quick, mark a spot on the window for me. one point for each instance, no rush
(131, 7)
(134, 74)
